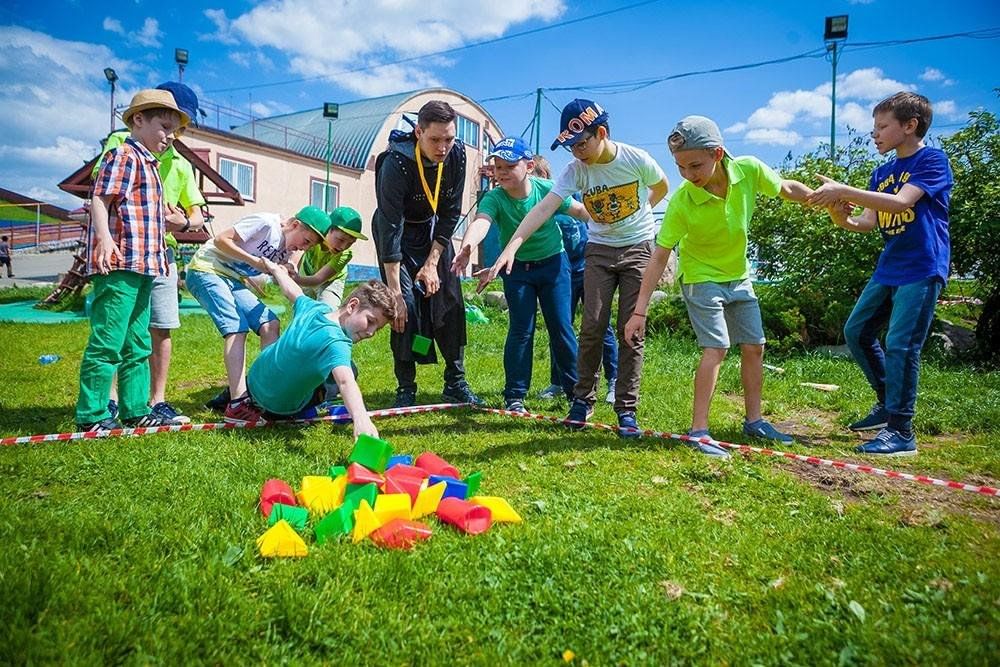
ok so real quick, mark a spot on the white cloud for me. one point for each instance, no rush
(860, 2)
(269, 108)
(947, 109)
(240, 58)
(223, 28)
(934, 75)
(113, 25)
(790, 115)
(65, 153)
(149, 35)
(327, 39)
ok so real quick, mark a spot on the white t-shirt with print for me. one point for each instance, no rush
(616, 195)
(258, 234)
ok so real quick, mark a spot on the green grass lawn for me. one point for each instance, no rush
(139, 550)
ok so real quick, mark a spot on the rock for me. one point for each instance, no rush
(834, 350)
(657, 296)
(496, 300)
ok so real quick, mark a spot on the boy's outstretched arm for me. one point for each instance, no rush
(831, 192)
(474, 235)
(794, 191)
(841, 216)
(635, 328)
(536, 217)
(354, 402)
(658, 191)
(280, 274)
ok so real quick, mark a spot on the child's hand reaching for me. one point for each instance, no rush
(828, 194)
(272, 268)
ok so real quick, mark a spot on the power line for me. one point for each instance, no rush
(533, 31)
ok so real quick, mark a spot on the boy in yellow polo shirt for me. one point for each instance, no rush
(708, 217)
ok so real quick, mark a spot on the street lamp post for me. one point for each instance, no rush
(834, 34)
(331, 110)
(112, 77)
(181, 58)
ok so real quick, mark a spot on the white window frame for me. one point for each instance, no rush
(229, 166)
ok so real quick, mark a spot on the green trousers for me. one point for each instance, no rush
(119, 341)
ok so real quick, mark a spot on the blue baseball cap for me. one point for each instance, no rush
(186, 99)
(512, 149)
(577, 118)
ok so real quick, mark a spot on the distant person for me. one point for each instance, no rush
(620, 184)
(419, 183)
(539, 276)
(5, 254)
(215, 277)
(908, 200)
(574, 235)
(124, 254)
(183, 201)
(709, 216)
(288, 377)
(322, 271)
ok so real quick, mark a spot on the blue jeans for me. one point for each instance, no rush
(530, 284)
(894, 371)
(610, 352)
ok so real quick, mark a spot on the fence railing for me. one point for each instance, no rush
(32, 230)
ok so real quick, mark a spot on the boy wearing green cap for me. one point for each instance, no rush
(216, 275)
(323, 268)
(708, 218)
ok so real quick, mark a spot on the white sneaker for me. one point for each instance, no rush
(552, 391)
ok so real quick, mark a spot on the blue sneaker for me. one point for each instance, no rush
(579, 411)
(890, 442)
(878, 418)
(763, 429)
(515, 405)
(706, 448)
(113, 408)
(168, 411)
(551, 392)
(627, 426)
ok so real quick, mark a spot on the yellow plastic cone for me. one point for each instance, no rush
(321, 494)
(500, 508)
(389, 506)
(427, 501)
(281, 540)
(365, 522)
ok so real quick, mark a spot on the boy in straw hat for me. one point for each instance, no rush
(125, 251)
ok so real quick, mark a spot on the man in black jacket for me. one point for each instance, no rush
(419, 182)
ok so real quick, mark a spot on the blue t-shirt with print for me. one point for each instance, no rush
(917, 241)
(287, 372)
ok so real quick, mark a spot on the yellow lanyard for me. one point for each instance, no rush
(433, 201)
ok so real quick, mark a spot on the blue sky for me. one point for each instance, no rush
(56, 99)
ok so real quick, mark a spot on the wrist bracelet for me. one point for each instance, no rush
(187, 224)
(639, 314)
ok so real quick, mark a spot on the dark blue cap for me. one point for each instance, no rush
(184, 96)
(577, 118)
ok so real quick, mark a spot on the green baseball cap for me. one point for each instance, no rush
(347, 220)
(315, 219)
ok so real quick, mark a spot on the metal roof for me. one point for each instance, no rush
(353, 132)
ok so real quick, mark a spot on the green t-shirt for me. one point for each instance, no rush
(176, 173)
(712, 232)
(507, 213)
(317, 257)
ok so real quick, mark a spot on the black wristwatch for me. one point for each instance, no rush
(187, 224)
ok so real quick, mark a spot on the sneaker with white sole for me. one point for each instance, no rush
(102, 427)
(515, 405)
(890, 442)
(706, 448)
(550, 392)
(763, 429)
(579, 411)
(168, 411)
(244, 411)
(876, 419)
(151, 420)
(627, 425)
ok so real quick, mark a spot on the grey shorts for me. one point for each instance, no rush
(164, 310)
(724, 314)
(332, 294)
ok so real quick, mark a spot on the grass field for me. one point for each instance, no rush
(139, 550)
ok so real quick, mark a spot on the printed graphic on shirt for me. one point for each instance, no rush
(608, 205)
(892, 224)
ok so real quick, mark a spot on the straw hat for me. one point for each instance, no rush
(153, 99)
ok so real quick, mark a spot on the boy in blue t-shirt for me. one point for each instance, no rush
(907, 199)
(288, 376)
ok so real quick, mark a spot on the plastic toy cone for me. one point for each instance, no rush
(275, 491)
(389, 506)
(411, 486)
(398, 459)
(435, 465)
(338, 522)
(371, 452)
(297, 517)
(364, 491)
(428, 500)
(281, 540)
(365, 522)
(500, 509)
(468, 518)
(399, 534)
(322, 494)
(358, 474)
(472, 482)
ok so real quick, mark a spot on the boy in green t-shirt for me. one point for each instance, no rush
(708, 217)
(323, 269)
(539, 275)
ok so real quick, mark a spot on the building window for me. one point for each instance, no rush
(240, 175)
(467, 130)
(323, 195)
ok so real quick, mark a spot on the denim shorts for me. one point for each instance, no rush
(233, 307)
(724, 314)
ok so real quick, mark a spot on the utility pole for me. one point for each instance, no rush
(538, 120)
(834, 33)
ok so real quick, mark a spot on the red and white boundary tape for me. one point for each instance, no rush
(813, 460)
(417, 409)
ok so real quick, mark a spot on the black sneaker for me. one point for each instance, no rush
(460, 394)
(102, 427)
(220, 402)
(168, 411)
(405, 398)
(151, 420)
(877, 418)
